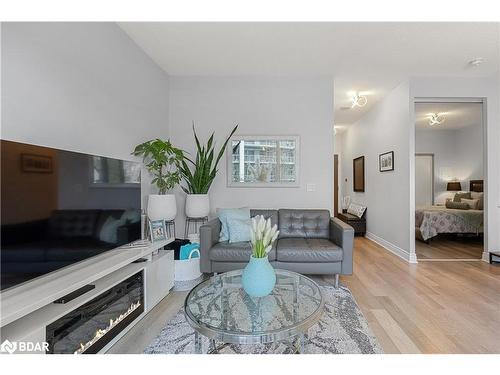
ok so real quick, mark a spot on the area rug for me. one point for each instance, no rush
(342, 329)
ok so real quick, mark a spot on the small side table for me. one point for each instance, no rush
(494, 253)
(196, 221)
(359, 224)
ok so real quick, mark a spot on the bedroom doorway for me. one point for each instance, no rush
(449, 179)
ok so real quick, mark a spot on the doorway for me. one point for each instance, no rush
(450, 173)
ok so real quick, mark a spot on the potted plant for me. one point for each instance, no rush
(199, 174)
(163, 161)
(258, 278)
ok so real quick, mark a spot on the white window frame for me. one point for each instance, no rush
(229, 161)
(127, 185)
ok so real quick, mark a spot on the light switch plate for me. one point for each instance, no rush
(311, 187)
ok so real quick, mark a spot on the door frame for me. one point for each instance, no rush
(484, 123)
(433, 171)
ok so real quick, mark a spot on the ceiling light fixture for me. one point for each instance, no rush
(358, 100)
(435, 119)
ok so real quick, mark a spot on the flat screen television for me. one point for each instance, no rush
(61, 207)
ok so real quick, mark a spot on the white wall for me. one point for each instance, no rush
(80, 86)
(261, 106)
(488, 89)
(386, 127)
(457, 154)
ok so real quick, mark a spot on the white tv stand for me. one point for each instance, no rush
(28, 308)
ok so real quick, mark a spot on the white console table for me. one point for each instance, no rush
(28, 308)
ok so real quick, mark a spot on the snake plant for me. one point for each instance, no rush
(198, 174)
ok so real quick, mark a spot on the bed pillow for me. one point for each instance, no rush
(459, 196)
(239, 230)
(226, 214)
(480, 196)
(473, 203)
(457, 205)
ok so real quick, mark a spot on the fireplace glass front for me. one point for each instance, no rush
(91, 326)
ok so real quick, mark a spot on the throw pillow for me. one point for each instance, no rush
(356, 209)
(226, 214)
(480, 196)
(109, 230)
(239, 230)
(459, 196)
(457, 205)
(131, 216)
(473, 203)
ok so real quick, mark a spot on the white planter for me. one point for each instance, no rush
(162, 207)
(197, 205)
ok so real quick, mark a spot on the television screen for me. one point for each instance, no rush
(60, 207)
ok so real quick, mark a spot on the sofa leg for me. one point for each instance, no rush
(337, 276)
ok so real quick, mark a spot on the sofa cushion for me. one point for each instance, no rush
(272, 214)
(73, 223)
(308, 250)
(304, 223)
(24, 252)
(235, 252)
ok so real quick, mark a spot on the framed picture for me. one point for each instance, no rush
(358, 174)
(386, 161)
(157, 230)
(31, 163)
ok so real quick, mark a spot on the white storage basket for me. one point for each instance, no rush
(187, 272)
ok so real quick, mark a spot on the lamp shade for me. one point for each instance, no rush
(454, 186)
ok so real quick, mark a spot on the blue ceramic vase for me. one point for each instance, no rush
(258, 278)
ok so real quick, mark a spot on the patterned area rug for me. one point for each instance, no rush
(342, 330)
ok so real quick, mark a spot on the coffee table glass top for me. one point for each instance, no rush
(220, 309)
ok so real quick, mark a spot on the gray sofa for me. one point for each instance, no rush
(310, 242)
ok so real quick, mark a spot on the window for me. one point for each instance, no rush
(114, 172)
(263, 161)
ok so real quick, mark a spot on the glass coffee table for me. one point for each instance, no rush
(219, 309)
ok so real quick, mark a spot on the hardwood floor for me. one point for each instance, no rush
(430, 307)
(450, 247)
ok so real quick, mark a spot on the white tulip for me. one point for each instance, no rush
(275, 236)
(268, 249)
(267, 238)
(268, 224)
(252, 237)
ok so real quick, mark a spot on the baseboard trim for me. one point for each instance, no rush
(396, 250)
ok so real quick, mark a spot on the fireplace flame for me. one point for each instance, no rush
(101, 332)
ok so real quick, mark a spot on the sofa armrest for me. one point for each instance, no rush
(342, 234)
(209, 236)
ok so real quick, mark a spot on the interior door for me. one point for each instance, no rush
(424, 180)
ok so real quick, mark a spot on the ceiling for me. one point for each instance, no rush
(457, 115)
(371, 57)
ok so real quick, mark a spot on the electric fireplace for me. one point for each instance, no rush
(90, 327)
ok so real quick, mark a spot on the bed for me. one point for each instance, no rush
(434, 220)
